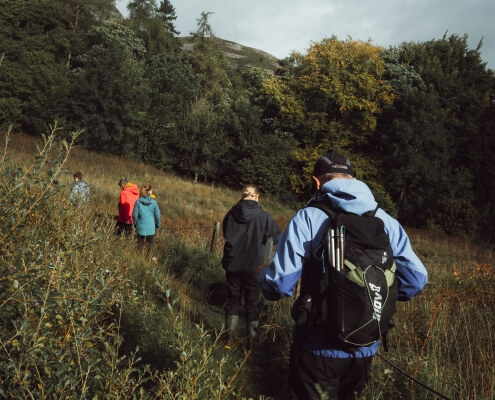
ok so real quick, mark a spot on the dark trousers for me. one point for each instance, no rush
(121, 227)
(149, 242)
(238, 285)
(316, 377)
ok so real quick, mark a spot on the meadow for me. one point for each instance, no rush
(84, 316)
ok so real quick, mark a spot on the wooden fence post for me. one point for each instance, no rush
(214, 237)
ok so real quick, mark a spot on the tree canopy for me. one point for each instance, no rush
(416, 119)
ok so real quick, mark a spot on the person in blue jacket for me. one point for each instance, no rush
(146, 217)
(315, 367)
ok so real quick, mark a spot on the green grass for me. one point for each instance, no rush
(83, 315)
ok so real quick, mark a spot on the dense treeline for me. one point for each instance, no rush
(418, 119)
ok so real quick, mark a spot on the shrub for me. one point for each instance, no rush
(455, 216)
(58, 337)
(67, 295)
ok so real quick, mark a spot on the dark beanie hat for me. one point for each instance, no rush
(123, 181)
(333, 162)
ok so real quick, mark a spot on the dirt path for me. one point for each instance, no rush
(264, 375)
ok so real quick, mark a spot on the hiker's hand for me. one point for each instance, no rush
(260, 267)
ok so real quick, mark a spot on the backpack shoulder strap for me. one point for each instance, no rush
(371, 213)
(324, 206)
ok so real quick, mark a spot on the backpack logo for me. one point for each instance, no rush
(377, 301)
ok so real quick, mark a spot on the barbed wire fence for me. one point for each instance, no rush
(206, 235)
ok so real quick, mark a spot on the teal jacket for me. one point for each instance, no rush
(146, 216)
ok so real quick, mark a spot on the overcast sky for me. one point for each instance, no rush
(281, 26)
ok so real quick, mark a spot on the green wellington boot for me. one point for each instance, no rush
(252, 328)
(231, 322)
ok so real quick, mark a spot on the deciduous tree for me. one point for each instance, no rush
(110, 91)
(33, 83)
(455, 148)
(174, 88)
(330, 97)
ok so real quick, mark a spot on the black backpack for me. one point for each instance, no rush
(352, 301)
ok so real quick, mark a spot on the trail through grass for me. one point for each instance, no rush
(82, 314)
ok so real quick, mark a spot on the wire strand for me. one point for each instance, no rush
(186, 228)
(412, 378)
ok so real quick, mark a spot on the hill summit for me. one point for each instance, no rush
(239, 56)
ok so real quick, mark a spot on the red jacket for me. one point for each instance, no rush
(128, 196)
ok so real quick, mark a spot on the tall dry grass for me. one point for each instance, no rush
(82, 314)
(184, 204)
(171, 312)
(444, 337)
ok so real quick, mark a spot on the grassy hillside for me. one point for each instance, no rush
(183, 202)
(83, 315)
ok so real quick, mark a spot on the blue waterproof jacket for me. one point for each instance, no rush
(146, 216)
(302, 237)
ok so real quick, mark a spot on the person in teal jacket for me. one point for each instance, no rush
(146, 217)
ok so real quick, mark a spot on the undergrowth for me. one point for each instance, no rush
(83, 315)
(69, 299)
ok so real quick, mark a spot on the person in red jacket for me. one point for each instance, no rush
(128, 195)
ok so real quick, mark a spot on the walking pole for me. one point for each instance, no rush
(331, 248)
(338, 255)
(341, 268)
(341, 245)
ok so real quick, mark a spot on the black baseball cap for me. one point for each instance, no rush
(333, 162)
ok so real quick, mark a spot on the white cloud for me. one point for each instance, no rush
(280, 26)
